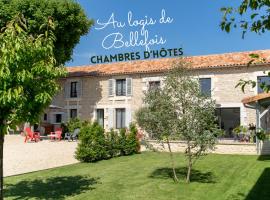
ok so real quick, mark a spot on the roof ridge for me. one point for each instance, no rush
(170, 58)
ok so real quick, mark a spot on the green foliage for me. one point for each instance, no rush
(260, 134)
(122, 142)
(179, 110)
(95, 145)
(28, 73)
(73, 124)
(112, 143)
(92, 145)
(240, 130)
(128, 142)
(70, 21)
(254, 16)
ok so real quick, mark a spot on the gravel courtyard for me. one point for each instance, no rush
(20, 157)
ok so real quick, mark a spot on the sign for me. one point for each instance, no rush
(140, 37)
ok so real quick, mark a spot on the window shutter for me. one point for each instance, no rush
(128, 117)
(67, 89)
(129, 86)
(111, 87)
(110, 118)
(79, 88)
(64, 117)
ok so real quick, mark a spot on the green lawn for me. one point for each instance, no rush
(147, 176)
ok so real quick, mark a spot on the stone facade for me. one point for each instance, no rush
(93, 93)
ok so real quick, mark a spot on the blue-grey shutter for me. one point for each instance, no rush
(110, 118)
(67, 89)
(111, 87)
(128, 117)
(79, 88)
(129, 86)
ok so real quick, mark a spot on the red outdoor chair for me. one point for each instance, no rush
(57, 134)
(30, 135)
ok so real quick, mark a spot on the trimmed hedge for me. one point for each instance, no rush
(95, 145)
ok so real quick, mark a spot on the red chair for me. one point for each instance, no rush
(57, 134)
(30, 135)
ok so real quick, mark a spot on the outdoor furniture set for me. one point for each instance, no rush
(53, 136)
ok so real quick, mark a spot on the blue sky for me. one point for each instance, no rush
(195, 28)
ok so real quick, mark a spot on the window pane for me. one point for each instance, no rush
(73, 89)
(73, 113)
(262, 79)
(58, 118)
(228, 119)
(120, 118)
(121, 87)
(154, 85)
(205, 86)
(100, 117)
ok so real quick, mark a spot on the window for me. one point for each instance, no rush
(154, 85)
(262, 80)
(73, 89)
(205, 86)
(45, 117)
(120, 87)
(100, 117)
(120, 118)
(58, 118)
(228, 119)
(73, 113)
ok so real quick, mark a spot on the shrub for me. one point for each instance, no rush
(122, 142)
(132, 141)
(128, 141)
(74, 123)
(92, 143)
(112, 140)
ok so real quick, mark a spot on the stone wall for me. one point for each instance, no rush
(221, 148)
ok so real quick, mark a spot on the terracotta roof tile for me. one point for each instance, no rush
(161, 65)
(255, 98)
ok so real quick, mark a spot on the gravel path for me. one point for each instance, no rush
(20, 157)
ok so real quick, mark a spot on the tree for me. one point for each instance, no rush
(157, 119)
(28, 75)
(180, 111)
(254, 17)
(69, 18)
(195, 122)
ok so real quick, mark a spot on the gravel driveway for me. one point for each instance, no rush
(20, 157)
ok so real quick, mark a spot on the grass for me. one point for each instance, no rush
(147, 176)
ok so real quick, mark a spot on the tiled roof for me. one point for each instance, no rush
(255, 98)
(161, 65)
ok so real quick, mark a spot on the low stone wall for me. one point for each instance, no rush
(223, 147)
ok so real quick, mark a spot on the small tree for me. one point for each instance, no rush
(195, 114)
(180, 111)
(157, 117)
(28, 77)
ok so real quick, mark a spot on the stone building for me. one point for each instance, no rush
(111, 93)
